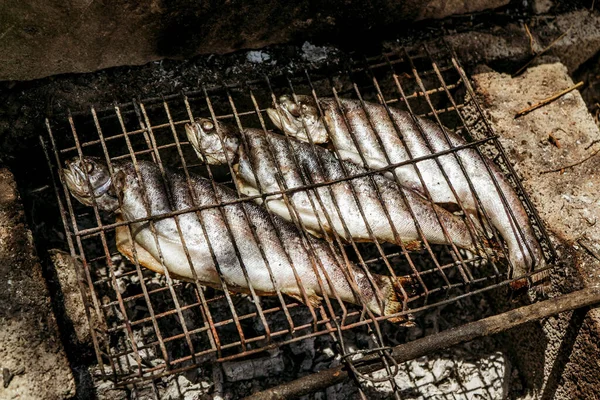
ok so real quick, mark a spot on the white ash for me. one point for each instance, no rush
(179, 387)
(182, 389)
(313, 53)
(258, 56)
(122, 282)
(446, 377)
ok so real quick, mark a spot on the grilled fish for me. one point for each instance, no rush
(327, 207)
(383, 141)
(218, 229)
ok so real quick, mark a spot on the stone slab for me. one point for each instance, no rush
(30, 343)
(558, 356)
(39, 38)
(509, 45)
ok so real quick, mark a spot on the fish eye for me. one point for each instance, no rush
(293, 108)
(207, 125)
(89, 167)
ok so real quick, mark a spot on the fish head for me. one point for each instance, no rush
(299, 119)
(88, 178)
(214, 142)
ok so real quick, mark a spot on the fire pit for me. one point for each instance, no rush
(83, 317)
(145, 326)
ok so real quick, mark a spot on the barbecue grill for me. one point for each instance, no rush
(146, 326)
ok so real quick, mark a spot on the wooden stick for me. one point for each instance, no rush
(547, 100)
(571, 165)
(420, 347)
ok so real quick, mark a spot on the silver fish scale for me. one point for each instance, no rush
(265, 148)
(173, 194)
(356, 129)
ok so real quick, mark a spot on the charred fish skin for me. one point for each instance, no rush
(269, 153)
(151, 196)
(371, 125)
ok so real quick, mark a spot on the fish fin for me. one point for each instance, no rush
(145, 259)
(316, 234)
(413, 245)
(246, 188)
(539, 281)
(480, 223)
(408, 284)
(451, 208)
(119, 184)
(403, 287)
(406, 320)
(313, 299)
(490, 248)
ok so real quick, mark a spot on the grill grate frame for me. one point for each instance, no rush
(164, 317)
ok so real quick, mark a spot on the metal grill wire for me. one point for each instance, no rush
(159, 326)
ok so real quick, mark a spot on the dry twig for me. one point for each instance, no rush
(541, 52)
(588, 249)
(530, 38)
(554, 140)
(592, 144)
(547, 100)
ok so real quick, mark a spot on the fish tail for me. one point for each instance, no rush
(538, 280)
(489, 248)
(528, 264)
(401, 288)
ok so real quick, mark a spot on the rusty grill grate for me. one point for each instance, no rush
(145, 326)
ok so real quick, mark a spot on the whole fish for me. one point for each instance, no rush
(328, 207)
(382, 140)
(123, 193)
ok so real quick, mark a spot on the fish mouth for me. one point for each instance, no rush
(287, 116)
(191, 131)
(298, 120)
(75, 178)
